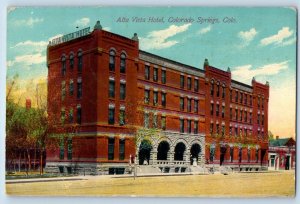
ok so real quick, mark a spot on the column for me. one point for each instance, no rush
(153, 157)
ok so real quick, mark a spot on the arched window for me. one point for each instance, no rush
(112, 60)
(123, 63)
(63, 65)
(71, 60)
(78, 112)
(80, 63)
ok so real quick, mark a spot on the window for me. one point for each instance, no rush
(71, 88)
(111, 148)
(78, 112)
(63, 66)
(231, 154)
(163, 99)
(218, 90)
(236, 96)
(223, 92)
(217, 109)
(71, 60)
(155, 74)
(189, 83)
(123, 63)
(223, 111)
(147, 96)
(246, 132)
(122, 117)
(246, 97)
(62, 115)
(262, 103)
(69, 148)
(236, 131)
(241, 115)
(256, 155)
(79, 88)
(262, 119)
(245, 116)
(240, 154)
(112, 60)
(230, 113)
(212, 153)
(80, 61)
(212, 89)
(241, 98)
(250, 118)
(147, 72)
(163, 76)
(230, 131)
(181, 125)
(241, 132)
(196, 106)
(236, 114)
(223, 130)
(195, 127)
(211, 109)
(181, 81)
(217, 128)
(121, 149)
(250, 100)
(71, 118)
(248, 154)
(258, 119)
(196, 85)
(258, 102)
(181, 103)
(61, 149)
(111, 115)
(155, 98)
(111, 89)
(230, 95)
(189, 126)
(63, 90)
(146, 120)
(154, 121)
(122, 91)
(163, 122)
(189, 105)
(211, 129)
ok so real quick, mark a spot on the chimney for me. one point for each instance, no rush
(277, 137)
(28, 104)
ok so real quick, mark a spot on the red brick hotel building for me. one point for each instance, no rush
(114, 103)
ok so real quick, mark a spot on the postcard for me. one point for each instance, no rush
(151, 101)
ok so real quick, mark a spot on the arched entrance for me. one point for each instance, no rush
(195, 150)
(162, 150)
(179, 151)
(222, 154)
(144, 151)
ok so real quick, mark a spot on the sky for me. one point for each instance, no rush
(253, 42)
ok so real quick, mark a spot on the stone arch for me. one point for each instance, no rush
(179, 151)
(163, 148)
(144, 149)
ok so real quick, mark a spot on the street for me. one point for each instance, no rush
(217, 185)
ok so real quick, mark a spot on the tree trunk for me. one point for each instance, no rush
(41, 162)
(19, 161)
(34, 159)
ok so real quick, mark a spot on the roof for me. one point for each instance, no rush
(279, 142)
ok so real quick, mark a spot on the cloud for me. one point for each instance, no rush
(10, 9)
(31, 46)
(205, 30)
(28, 22)
(107, 28)
(82, 22)
(247, 36)
(26, 60)
(159, 39)
(246, 72)
(278, 39)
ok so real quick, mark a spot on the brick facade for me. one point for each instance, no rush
(166, 106)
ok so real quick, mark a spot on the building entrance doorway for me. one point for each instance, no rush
(262, 155)
(195, 150)
(162, 150)
(144, 152)
(179, 152)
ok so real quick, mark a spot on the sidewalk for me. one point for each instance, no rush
(73, 178)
